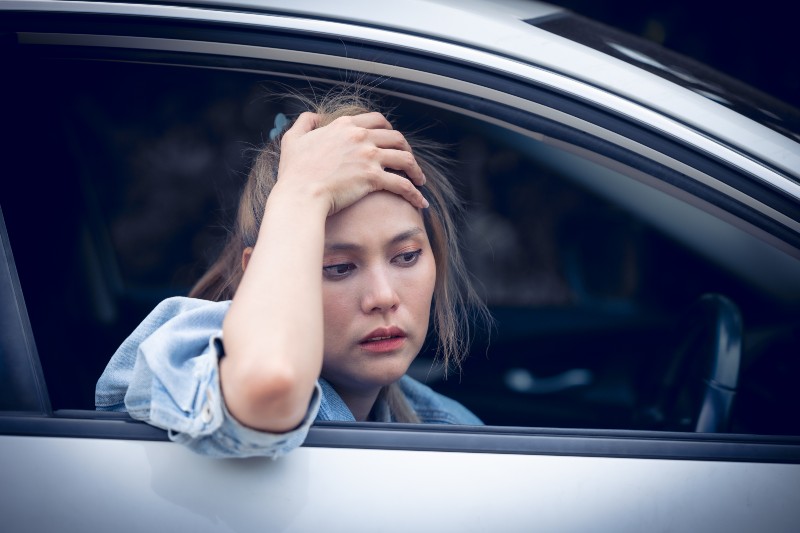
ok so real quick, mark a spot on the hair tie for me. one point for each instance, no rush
(280, 124)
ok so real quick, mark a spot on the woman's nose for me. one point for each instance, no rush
(379, 293)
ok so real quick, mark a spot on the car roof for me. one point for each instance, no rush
(506, 29)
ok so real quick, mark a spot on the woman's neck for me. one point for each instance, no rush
(360, 402)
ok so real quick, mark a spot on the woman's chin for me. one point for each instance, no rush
(369, 376)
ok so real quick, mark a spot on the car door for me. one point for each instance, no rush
(594, 223)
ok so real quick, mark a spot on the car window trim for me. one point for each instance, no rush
(447, 438)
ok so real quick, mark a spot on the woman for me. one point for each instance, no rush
(342, 190)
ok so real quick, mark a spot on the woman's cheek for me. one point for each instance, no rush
(429, 277)
(335, 305)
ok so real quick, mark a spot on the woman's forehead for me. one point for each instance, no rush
(377, 218)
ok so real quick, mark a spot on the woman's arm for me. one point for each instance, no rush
(273, 332)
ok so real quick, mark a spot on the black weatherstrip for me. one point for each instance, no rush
(465, 439)
(569, 442)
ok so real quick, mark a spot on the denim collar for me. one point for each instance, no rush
(332, 407)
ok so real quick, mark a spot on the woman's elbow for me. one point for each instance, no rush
(272, 398)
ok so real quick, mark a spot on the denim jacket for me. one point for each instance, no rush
(166, 374)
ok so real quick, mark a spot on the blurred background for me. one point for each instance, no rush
(756, 43)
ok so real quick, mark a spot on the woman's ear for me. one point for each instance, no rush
(246, 257)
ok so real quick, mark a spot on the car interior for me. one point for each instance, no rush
(619, 301)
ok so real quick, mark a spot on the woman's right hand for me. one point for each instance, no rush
(347, 159)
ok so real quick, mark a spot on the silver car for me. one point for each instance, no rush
(633, 219)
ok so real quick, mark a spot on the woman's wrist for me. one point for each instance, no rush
(307, 199)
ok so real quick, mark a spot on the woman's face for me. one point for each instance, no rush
(378, 278)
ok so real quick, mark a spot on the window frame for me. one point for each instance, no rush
(677, 155)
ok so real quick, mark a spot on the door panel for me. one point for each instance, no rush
(110, 485)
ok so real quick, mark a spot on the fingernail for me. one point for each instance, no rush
(425, 203)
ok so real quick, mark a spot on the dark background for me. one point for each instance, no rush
(756, 43)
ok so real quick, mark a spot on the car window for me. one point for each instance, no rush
(591, 265)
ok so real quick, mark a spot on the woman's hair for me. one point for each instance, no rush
(455, 301)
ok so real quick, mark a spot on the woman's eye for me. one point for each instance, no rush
(407, 258)
(338, 271)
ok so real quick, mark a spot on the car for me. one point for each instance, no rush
(632, 219)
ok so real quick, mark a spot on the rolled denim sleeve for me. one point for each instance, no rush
(167, 374)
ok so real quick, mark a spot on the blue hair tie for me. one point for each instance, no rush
(280, 124)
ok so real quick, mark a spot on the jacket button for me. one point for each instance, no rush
(206, 415)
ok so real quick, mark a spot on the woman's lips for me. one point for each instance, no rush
(382, 340)
(385, 345)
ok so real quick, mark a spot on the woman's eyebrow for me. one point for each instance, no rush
(348, 246)
(400, 237)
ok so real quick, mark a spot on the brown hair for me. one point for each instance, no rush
(455, 302)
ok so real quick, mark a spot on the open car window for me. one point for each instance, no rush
(591, 264)
(596, 238)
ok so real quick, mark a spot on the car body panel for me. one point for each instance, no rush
(135, 486)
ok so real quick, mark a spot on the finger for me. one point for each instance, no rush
(373, 120)
(403, 187)
(389, 139)
(404, 162)
(305, 123)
